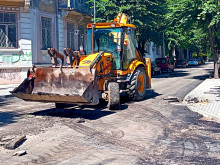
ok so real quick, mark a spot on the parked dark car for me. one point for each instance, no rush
(201, 61)
(155, 69)
(182, 63)
(165, 64)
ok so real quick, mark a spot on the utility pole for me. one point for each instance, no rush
(94, 12)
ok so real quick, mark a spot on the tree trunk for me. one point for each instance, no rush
(141, 47)
(216, 76)
(216, 64)
(214, 53)
(173, 54)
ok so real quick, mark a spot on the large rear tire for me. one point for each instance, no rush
(113, 96)
(137, 85)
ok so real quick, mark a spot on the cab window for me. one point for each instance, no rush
(129, 47)
(107, 40)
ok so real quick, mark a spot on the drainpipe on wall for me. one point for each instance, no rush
(57, 25)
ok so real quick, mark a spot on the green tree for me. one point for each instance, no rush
(146, 15)
(193, 21)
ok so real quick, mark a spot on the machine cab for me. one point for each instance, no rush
(114, 39)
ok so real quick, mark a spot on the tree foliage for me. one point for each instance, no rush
(146, 15)
(194, 24)
(188, 24)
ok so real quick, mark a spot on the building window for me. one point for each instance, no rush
(46, 33)
(8, 30)
(70, 35)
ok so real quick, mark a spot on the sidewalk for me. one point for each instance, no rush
(205, 99)
(5, 90)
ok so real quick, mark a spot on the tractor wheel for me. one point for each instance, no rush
(137, 85)
(113, 96)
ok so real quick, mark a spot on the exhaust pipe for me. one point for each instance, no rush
(93, 42)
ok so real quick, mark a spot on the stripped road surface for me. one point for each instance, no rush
(157, 130)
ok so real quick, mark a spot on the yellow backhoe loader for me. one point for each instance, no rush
(108, 66)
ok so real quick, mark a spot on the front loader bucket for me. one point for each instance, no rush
(60, 85)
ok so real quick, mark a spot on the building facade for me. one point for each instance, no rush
(28, 28)
(154, 51)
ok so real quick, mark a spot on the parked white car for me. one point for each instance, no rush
(193, 62)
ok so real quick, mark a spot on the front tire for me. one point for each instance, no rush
(113, 96)
(137, 85)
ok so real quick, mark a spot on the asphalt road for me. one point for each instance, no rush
(158, 130)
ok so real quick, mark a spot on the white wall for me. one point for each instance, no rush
(14, 63)
(25, 40)
(153, 51)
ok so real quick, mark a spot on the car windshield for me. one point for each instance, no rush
(163, 61)
(106, 40)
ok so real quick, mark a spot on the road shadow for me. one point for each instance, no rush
(215, 91)
(176, 73)
(76, 111)
(91, 112)
(150, 94)
(202, 77)
(7, 118)
(198, 66)
(4, 99)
